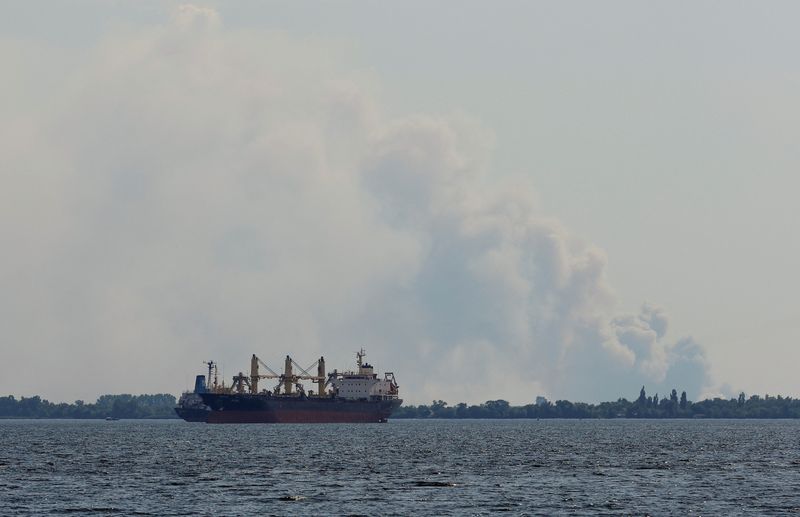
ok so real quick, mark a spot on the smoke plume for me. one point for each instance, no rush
(191, 192)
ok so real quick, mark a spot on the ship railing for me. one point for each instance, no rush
(383, 397)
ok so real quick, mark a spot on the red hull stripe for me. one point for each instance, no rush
(293, 416)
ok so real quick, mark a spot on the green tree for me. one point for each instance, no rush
(497, 408)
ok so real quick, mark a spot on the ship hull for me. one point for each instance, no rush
(190, 407)
(193, 414)
(267, 409)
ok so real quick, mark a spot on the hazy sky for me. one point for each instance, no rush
(496, 200)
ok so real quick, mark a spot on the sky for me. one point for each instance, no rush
(495, 200)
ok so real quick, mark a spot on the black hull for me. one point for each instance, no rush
(193, 414)
(246, 408)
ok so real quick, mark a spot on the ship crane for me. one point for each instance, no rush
(288, 378)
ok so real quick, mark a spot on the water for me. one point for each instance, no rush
(423, 467)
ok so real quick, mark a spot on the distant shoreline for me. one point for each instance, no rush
(644, 407)
(99, 419)
(161, 407)
(164, 419)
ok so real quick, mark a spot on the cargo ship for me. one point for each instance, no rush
(340, 397)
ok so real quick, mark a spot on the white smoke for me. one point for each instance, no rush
(191, 192)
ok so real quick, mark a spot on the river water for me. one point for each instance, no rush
(424, 467)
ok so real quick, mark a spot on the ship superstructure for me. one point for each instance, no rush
(363, 384)
(190, 404)
(351, 396)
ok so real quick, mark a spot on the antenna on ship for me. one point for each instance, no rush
(212, 366)
(360, 358)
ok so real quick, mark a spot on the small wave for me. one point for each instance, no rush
(94, 509)
(291, 498)
(434, 483)
(652, 466)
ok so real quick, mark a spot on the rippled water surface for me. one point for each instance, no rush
(425, 467)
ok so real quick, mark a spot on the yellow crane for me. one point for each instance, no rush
(289, 380)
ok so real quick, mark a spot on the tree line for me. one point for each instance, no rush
(115, 406)
(669, 406)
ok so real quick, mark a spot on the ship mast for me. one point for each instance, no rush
(360, 359)
(211, 366)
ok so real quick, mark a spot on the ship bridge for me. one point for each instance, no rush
(364, 383)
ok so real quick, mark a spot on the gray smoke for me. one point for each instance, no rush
(191, 192)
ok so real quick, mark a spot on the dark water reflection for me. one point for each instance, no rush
(426, 467)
